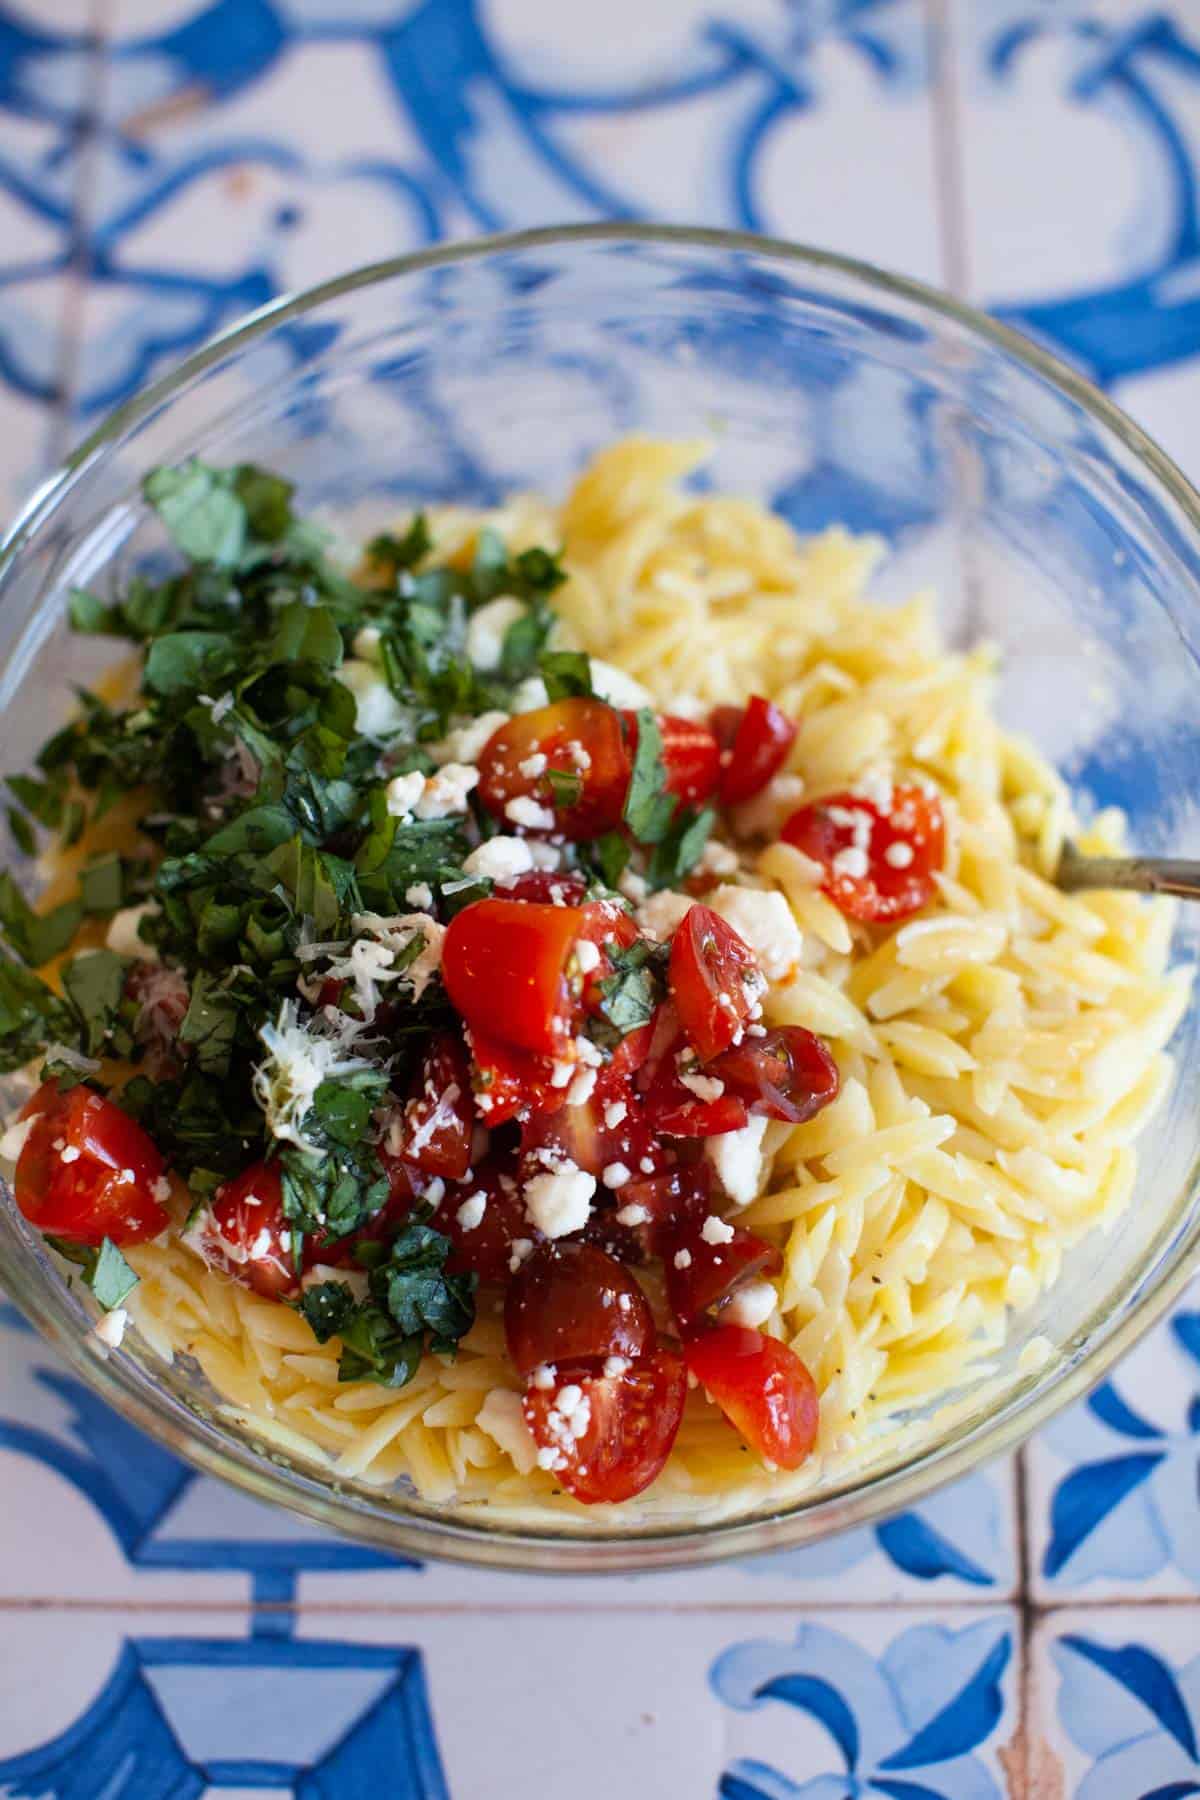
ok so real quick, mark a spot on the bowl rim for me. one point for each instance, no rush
(412, 1527)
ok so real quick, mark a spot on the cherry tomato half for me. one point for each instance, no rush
(88, 1171)
(901, 849)
(763, 1389)
(568, 1302)
(582, 1132)
(755, 742)
(504, 965)
(672, 1201)
(627, 1424)
(699, 1275)
(580, 740)
(691, 756)
(786, 1074)
(547, 887)
(714, 980)
(439, 1115)
(483, 1238)
(510, 1083)
(245, 1233)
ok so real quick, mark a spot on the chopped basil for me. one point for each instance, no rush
(677, 854)
(567, 674)
(94, 983)
(104, 1270)
(566, 786)
(102, 885)
(649, 809)
(210, 1024)
(637, 986)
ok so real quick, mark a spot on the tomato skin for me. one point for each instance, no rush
(671, 1107)
(714, 980)
(756, 742)
(570, 1303)
(549, 889)
(86, 1198)
(763, 1389)
(674, 1201)
(787, 1074)
(633, 1419)
(439, 1115)
(504, 965)
(915, 822)
(712, 1271)
(486, 1247)
(553, 731)
(582, 1132)
(691, 756)
(510, 1083)
(245, 1233)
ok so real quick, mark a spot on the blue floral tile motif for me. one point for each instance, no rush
(907, 1725)
(1129, 1508)
(1134, 1714)
(957, 1534)
(179, 1717)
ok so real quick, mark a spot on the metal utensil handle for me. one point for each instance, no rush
(1140, 874)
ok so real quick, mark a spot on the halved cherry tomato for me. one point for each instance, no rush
(486, 1245)
(504, 965)
(786, 1074)
(672, 1201)
(509, 1082)
(672, 1107)
(691, 756)
(548, 888)
(569, 1303)
(699, 1275)
(245, 1233)
(439, 1115)
(582, 1132)
(714, 980)
(763, 1389)
(629, 1423)
(578, 738)
(903, 848)
(755, 742)
(87, 1170)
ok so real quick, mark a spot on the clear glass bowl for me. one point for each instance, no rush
(1044, 519)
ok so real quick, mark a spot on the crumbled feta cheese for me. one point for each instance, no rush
(705, 1087)
(851, 862)
(875, 786)
(618, 688)
(615, 1366)
(502, 1417)
(465, 742)
(580, 759)
(582, 1084)
(588, 1053)
(529, 694)
(546, 855)
(737, 1160)
(500, 859)
(403, 792)
(561, 1073)
(560, 1201)
(446, 792)
(487, 628)
(420, 894)
(717, 858)
(525, 810)
(683, 1259)
(765, 812)
(633, 1214)
(13, 1141)
(616, 1174)
(633, 886)
(766, 923)
(122, 935)
(751, 1304)
(470, 1213)
(71, 1155)
(519, 1251)
(715, 1231)
(587, 956)
(533, 766)
(549, 1458)
(662, 914)
(544, 1376)
(899, 855)
(162, 1189)
(378, 713)
(110, 1328)
(614, 1113)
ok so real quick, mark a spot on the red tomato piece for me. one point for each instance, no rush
(672, 1201)
(245, 1233)
(627, 1424)
(510, 1083)
(763, 1389)
(755, 746)
(710, 1272)
(691, 756)
(582, 1132)
(549, 889)
(569, 1303)
(504, 965)
(714, 980)
(580, 739)
(671, 1106)
(88, 1171)
(439, 1115)
(483, 1241)
(902, 849)
(788, 1074)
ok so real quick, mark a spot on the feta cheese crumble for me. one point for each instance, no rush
(560, 1200)
(737, 1160)
(715, 1231)
(500, 859)
(765, 921)
(487, 629)
(751, 1304)
(525, 810)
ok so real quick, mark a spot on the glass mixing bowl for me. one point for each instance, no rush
(1043, 518)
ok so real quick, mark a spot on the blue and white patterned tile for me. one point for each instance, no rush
(1117, 1704)
(1114, 1485)
(166, 1706)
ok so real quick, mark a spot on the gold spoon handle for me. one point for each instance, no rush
(1140, 874)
